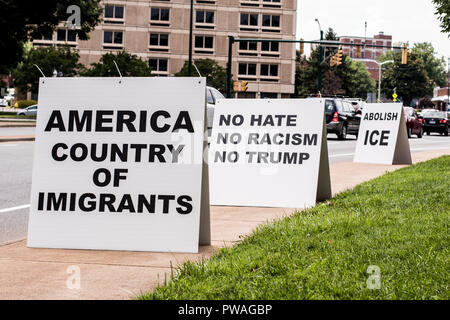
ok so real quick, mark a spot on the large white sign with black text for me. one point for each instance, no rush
(118, 165)
(269, 153)
(382, 137)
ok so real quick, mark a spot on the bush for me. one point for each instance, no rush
(21, 104)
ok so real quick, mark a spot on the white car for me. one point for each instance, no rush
(212, 95)
(28, 111)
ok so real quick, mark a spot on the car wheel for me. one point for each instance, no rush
(428, 133)
(420, 134)
(21, 114)
(409, 133)
(446, 132)
(343, 134)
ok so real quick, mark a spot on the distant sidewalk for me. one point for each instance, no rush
(27, 273)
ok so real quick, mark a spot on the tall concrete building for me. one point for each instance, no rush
(158, 32)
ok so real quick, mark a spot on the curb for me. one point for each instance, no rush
(17, 139)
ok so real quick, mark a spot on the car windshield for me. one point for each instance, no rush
(434, 114)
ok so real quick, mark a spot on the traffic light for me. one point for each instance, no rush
(358, 52)
(244, 86)
(404, 55)
(302, 47)
(333, 61)
(339, 57)
(240, 86)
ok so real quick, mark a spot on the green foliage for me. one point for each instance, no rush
(63, 59)
(22, 104)
(129, 66)
(443, 11)
(21, 20)
(216, 76)
(324, 252)
(417, 79)
(350, 79)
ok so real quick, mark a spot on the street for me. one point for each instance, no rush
(16, 162)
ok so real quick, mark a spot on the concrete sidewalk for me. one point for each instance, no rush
(27, 273)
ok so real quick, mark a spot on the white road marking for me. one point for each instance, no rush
(341, 155)
(25, 206)
(8, 145)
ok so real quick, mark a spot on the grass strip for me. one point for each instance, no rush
(398, 223)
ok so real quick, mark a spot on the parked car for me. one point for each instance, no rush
(212, 95)
(414, 124)
(341, 118)
(436, 121)
(28, 111)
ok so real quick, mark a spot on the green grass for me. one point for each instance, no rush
(398, 222)
(9, 115)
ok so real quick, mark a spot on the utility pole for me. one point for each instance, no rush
(319, 63)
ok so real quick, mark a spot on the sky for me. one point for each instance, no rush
(406, 20)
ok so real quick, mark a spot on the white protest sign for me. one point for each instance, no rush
(269, 153)
(382, 135)
(118, 165)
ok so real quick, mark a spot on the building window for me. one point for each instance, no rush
(270, 48)
(114, 14)
(158, 65)
(248, 48)
(272, 3)
(204, 44)
(159, 42)
(159, 16)
(114, 38)
(272, 22)
(247, 69)
(269, 70)
(64, 35)
(204, 19)
(249, 21)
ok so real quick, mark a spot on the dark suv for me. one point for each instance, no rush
(341, 118)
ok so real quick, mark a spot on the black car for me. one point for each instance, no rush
(341, 118)
(436, 121)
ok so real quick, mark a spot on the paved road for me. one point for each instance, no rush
(16, 167)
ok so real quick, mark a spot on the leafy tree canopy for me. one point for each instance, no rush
(350, 79)
(215, 74)
(417, 79)
(443, 11)
(129, 66)
(22, 20)
(62, 59)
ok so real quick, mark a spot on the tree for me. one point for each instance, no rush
(351, 78)
(443, 11)
(426, 103)
(129, 66)
(434, 66)
(216, 75)
(22, 20)
(62, 59)
(417, 78)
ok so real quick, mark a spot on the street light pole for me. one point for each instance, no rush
(379, 77)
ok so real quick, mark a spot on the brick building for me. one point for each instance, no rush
(158, 32)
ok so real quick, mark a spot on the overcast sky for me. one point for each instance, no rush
(405, 20)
